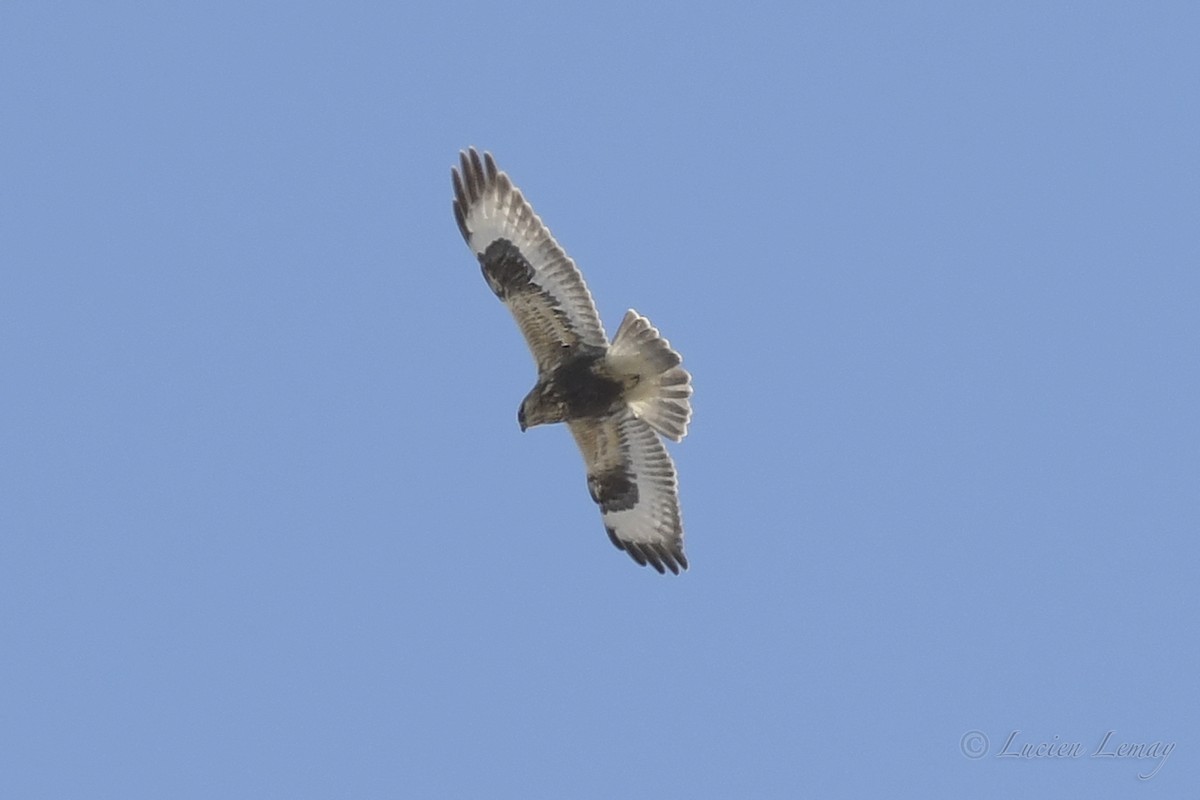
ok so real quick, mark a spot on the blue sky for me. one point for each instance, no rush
(268, 527)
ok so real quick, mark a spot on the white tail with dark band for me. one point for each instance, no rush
(660, 388)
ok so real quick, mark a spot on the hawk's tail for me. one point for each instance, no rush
(660, 388)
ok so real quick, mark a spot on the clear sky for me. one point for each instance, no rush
(268, 526)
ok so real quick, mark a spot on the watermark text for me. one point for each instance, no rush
(1151, 756)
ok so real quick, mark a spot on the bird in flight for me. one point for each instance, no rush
(616, 397)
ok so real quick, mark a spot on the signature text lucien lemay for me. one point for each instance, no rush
(1109, 747)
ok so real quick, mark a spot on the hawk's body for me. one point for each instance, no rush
(614, 397)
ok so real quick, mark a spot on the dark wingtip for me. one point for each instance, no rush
(612, 537)
(461, 219)
(668, 558)
(658, 556)
(460, 197)
(477, 173)
(471, 177)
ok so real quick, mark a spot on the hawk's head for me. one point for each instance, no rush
(542, 406)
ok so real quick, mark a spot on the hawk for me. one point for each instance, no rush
(617, 398)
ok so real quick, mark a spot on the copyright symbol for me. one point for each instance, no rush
(974, 744)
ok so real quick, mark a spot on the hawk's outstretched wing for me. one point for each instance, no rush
(523, 264)
(632, 479)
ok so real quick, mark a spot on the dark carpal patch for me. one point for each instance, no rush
(615, 490)
(506, 269)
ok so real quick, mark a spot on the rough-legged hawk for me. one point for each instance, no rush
(616, 398)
